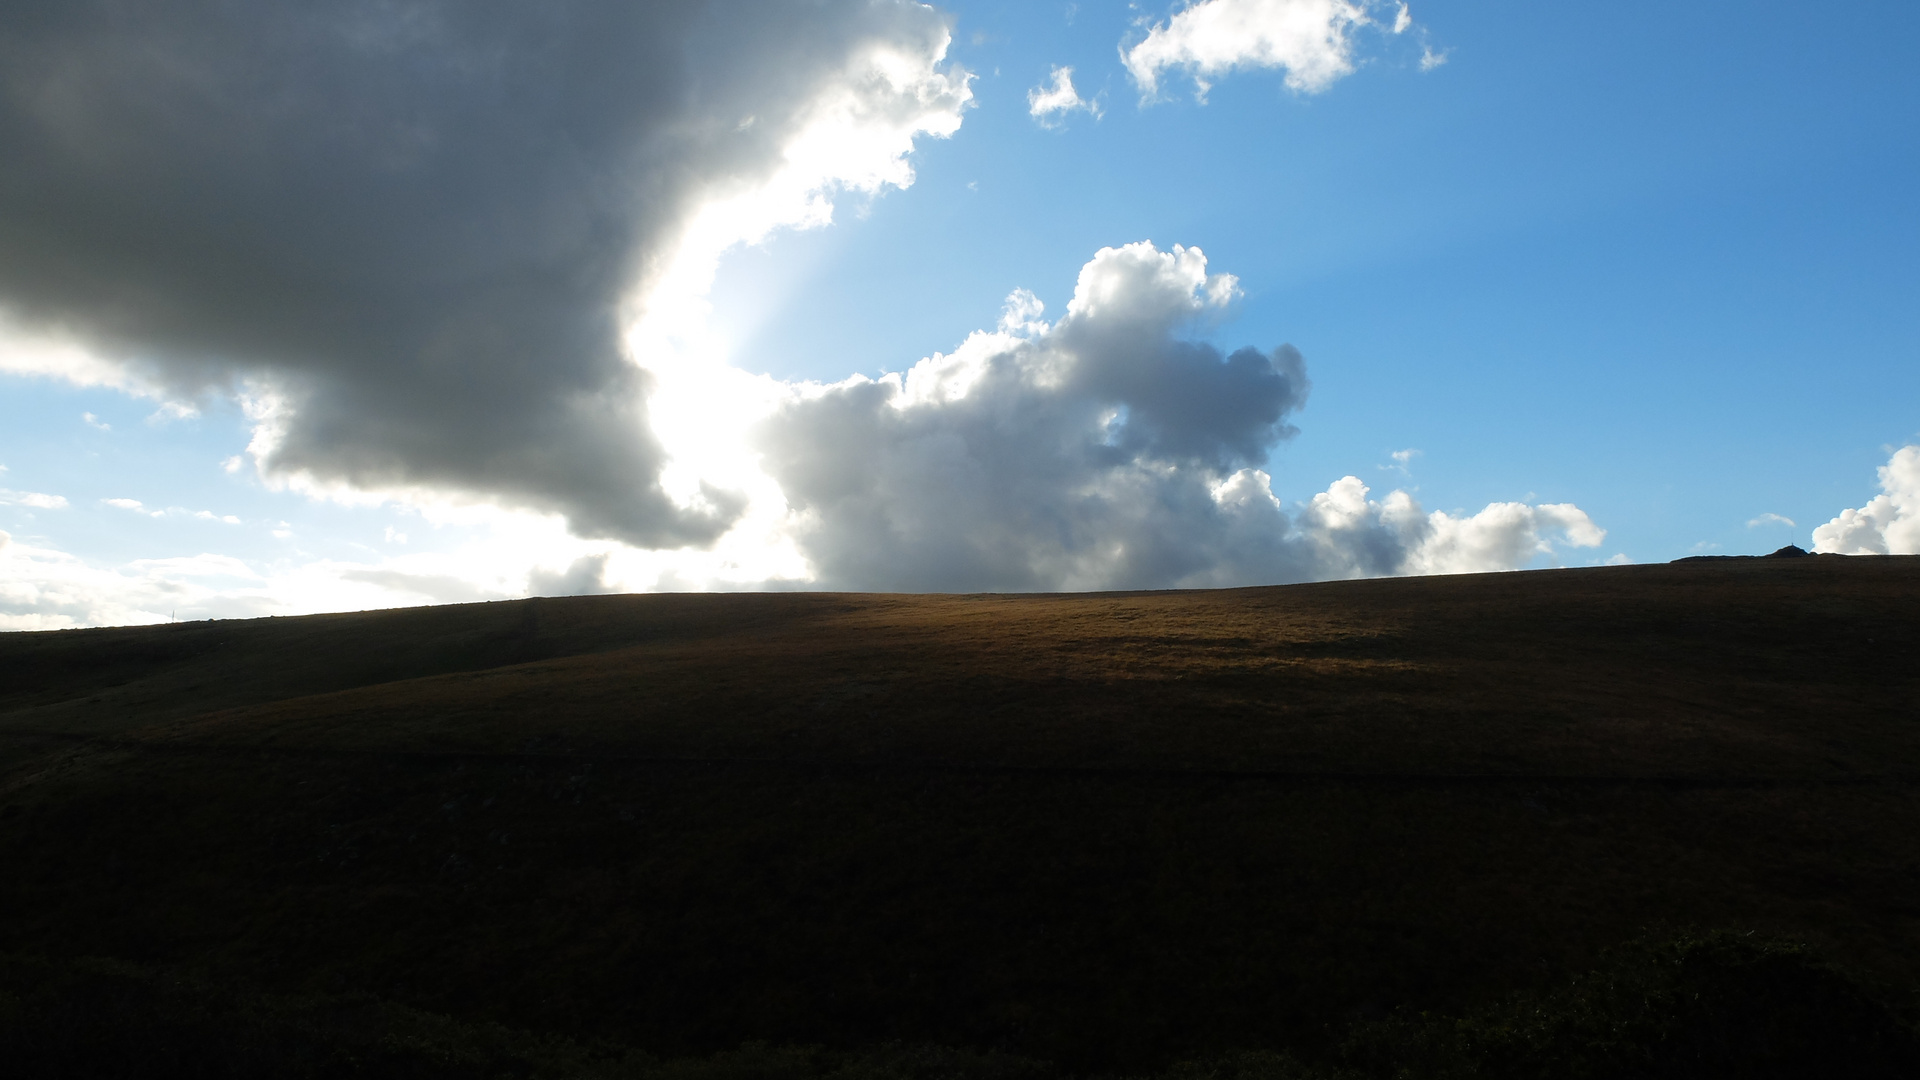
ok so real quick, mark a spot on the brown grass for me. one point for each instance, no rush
(1095, 828)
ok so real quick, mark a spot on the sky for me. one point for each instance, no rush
(396, 302)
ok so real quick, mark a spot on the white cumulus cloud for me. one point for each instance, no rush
(1889, 524)
(1110, 449)
(1342, 533)
(1310, 39)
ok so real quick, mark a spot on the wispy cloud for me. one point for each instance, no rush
(1049, 105)
(1770, 519)
(34, 499)
(173, 410)
(1402, 461)
(136, 506)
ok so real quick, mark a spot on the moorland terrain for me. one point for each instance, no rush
(1503, 824)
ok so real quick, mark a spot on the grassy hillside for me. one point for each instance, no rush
(1105, 831)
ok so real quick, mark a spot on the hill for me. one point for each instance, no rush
(1106, 831)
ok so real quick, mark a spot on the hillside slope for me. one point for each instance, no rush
(1105, 829)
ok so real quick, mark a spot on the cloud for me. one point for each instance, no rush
(585, 576)
(1342, 533)
(433, 588)
(43, 588)
(170, 411)
(1402, 461)
(1430, 59)
(1502, 536)
(1107, 450)
(33, 499)
(415, 237)
(1310, 39)
(1889, 524)
(1112, 448)
(138, 507)
(1770, 519)
(1049, 105)
(34, 350)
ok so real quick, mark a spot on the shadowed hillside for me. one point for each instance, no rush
(1107, 831)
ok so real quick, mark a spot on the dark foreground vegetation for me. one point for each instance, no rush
(1717, 1006)
(1642, 821)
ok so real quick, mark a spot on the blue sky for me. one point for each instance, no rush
(1654, 261)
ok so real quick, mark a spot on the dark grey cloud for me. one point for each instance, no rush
(413, 222)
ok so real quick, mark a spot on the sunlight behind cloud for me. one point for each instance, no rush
(501, 364)
(44, 352)
(856, 139)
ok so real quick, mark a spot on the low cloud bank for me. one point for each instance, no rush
(1114, 448)
(1889, 524)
